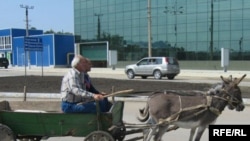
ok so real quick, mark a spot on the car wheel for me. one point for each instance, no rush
(170, 77)
(157, 74)
(144, 77)
(130, 74)
(6, 67)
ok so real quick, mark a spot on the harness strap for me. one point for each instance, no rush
(175, 117)
(228, 100)
(215, 111)
(212, 109)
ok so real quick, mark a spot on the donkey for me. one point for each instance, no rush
(196, 110)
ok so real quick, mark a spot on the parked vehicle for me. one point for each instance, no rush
(154, 66)
(4, 62)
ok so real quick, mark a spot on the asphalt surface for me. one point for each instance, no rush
(195, 76)
(132, 104)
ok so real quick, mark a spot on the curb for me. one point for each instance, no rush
(57, 97)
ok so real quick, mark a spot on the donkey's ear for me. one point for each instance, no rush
(241, 79)
(227, 81)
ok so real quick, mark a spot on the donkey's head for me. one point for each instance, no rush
(231, 88)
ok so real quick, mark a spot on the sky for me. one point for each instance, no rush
(57, 15)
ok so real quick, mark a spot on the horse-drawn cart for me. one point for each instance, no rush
(35, 125)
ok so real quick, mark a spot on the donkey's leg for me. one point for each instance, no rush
(199, 133)
(150, 133)
(192, 132)
(161, 131)
(146, 133)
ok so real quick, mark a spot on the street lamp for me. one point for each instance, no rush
(98, 26)
(175, 10)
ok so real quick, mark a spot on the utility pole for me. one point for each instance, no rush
(212, 31)
(149, 30)
(98, 26)
(27, 34)
(27, 26)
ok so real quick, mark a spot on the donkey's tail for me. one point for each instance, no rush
(143, 114)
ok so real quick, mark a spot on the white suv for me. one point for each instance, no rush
(154, 66)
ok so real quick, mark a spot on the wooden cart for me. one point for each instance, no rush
(37, 125)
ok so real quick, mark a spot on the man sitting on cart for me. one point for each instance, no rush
(78, 93)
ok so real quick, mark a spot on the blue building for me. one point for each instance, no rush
(6, 39)
(57, 49)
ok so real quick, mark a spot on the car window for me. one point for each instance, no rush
(143, 62)
(159, 61)
(172, 60)
(152, 61)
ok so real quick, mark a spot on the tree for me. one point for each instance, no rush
(59, 32)
(49, 32)
(33, 28)
(115, 41)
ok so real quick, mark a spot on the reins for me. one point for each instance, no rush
(191, 112)
(206, 106)
(109, 95)
(175, 117)
(234, 100)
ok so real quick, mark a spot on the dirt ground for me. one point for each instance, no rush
(51, 84)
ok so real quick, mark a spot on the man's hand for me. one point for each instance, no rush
(103, 93)
(98, 96)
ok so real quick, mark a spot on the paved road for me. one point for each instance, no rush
(131, 107)
(130, 113)
(194, 76)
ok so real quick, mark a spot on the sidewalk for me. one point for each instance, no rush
(57, 97)
(116, 71)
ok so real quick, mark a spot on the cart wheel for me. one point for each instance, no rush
(99, 136)
(6, 133)
(119, 133)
